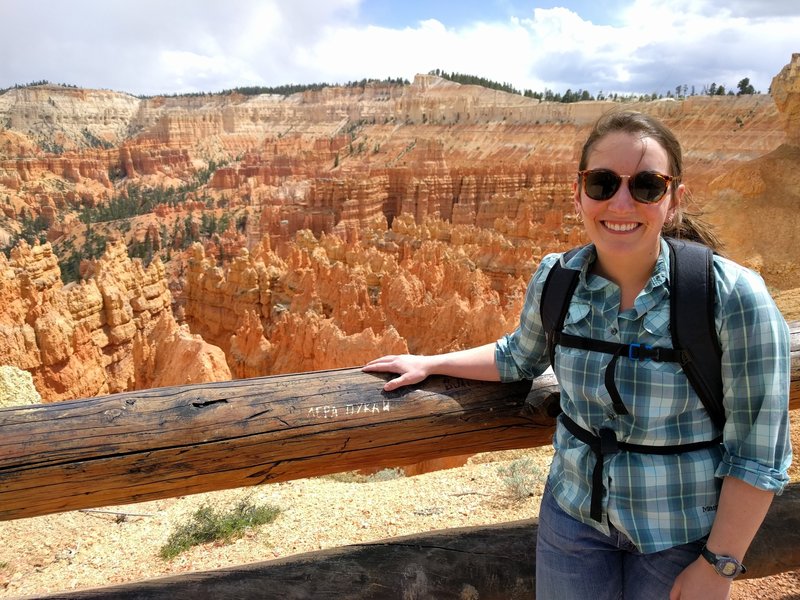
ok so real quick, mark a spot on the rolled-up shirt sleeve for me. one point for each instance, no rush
(756, 364)
(523, 354)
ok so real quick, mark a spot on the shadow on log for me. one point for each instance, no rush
(490, 563)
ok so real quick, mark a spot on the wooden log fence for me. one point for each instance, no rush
(174, 441)
(166, 442)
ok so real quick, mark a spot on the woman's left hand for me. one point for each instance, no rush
(699, 581)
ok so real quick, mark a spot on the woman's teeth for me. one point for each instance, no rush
(621, 226)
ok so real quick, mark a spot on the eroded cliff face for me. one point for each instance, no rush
(329, 226)
(431, 148)
(110, 333)
(326, 303)
(755, 205)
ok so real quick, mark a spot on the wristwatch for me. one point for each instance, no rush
(726, 566)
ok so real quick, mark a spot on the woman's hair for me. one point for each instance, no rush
(685, 224)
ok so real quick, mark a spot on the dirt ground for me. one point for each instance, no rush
(83, 549)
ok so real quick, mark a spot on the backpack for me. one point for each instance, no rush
(694, 336)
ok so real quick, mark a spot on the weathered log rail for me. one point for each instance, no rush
(173, 441)
(166, 442)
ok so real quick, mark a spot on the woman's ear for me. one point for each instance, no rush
(675, 201)
(576, 197)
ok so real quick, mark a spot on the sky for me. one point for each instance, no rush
(151, 47)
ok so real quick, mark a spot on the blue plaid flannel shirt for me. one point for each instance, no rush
(660, 501)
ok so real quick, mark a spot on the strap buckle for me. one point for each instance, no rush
(608, 441)
(643, 352)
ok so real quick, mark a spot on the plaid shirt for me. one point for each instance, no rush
(660, 501)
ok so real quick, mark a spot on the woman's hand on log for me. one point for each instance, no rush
(411, 368)
(472, 363)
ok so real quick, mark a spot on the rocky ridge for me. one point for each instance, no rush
(357, 221)
(754, 204)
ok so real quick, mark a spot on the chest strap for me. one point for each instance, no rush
(632, 351)
(615, 349)
(605, 443)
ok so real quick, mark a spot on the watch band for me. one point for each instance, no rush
(725, 566)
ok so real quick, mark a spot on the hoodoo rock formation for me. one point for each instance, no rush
(320, 229)
(112, 332)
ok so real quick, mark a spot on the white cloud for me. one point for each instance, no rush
(204, 45)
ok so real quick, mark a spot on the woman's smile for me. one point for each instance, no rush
(620, 227)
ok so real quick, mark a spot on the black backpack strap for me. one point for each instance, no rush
(605, 443)
(692, 298)
(554, 303)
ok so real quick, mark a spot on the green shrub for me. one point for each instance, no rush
(521, 477)
(208, 525)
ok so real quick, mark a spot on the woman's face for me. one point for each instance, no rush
(621, 227)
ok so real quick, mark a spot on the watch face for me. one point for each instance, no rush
(727, 568)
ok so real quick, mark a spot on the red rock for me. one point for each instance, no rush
(363, 220)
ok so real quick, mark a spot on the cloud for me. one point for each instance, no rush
(754, 8)
(655, 47)
(150, 47)
(700, 44)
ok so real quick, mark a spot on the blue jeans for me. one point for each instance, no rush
(575, 561)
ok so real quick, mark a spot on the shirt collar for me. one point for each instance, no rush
(660, 274)
(583, 259)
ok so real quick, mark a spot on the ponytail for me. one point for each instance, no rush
(690, 225)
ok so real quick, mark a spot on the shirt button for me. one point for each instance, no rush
(611, 416)
(613, 330)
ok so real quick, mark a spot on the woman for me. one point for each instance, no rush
(664, 519)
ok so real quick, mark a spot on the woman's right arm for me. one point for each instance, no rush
(473, 363)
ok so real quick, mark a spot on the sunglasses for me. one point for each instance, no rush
(647, 187)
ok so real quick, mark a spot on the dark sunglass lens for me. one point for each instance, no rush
(648, 187)
(601, 185)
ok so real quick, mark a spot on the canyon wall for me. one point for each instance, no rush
(357, 220)
(754, 205)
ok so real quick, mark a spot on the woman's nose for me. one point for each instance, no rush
(622, 201)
